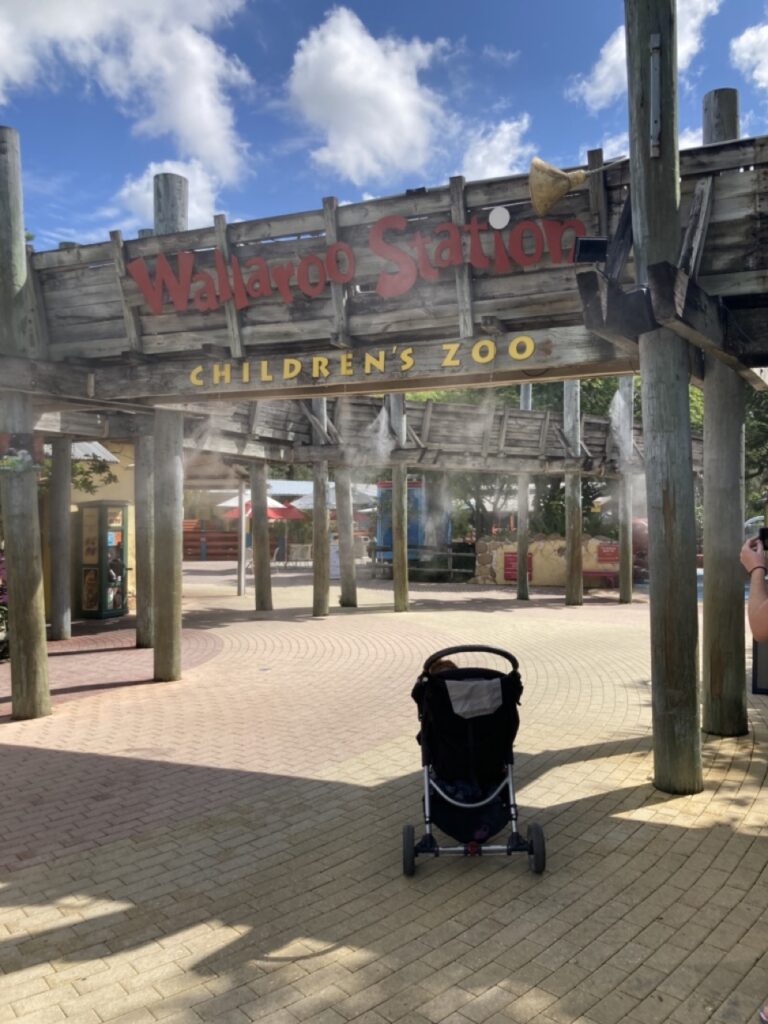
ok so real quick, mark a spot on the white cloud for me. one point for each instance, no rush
(749, 54)
(691, 15)
(364, 96)
(608, 78)
(154, 57)
(503, 57)
(690, 138)
(613, 147)
(495, 151)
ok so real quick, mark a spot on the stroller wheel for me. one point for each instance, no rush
(409, 851)
(537, 851)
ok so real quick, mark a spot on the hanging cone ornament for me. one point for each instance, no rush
(548, 184)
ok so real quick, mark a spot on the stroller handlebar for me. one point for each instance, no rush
(468, 649)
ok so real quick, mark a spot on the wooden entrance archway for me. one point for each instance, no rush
(390, 295)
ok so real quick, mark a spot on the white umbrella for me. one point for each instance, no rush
(361, 495)
(234, 502)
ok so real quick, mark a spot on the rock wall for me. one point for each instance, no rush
(547, 556)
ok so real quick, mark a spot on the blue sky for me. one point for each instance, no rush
(269, 105)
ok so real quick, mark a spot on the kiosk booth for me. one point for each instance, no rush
(103, 544)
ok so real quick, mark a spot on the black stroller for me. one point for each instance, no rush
(469, 722)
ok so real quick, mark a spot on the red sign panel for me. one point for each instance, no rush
(608, 551)
(510, 565)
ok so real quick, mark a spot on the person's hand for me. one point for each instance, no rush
(753, 555)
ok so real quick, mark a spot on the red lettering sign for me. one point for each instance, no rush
(407, 255)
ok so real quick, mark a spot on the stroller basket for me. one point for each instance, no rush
(469, 722)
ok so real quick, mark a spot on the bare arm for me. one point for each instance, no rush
(753, 560)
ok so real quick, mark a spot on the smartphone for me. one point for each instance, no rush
(764, 537)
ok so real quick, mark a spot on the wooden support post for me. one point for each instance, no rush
(242, 523)
(169, 513)
(260, 537)
(321, 566)
(61, 539)
(523, 489)
(625, 411)
(171, 204)
(345, 527)
(664, 369)
(30, 695)
(724, 695)
(574, 582)
(144, 499)
(399, 507)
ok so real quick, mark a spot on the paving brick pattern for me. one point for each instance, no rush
(227, 848)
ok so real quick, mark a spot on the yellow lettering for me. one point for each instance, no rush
(521, 347)
(373, 361)
(245, 372)
(451, 348)
(264, 373)
(406, 359)
(320, 366)
(222, 372)
(291, 368)
(196, 376)
(345, 364)
(483, 351)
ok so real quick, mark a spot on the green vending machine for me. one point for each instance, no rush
(102, 577)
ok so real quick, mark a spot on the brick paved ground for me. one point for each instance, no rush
(227, 848)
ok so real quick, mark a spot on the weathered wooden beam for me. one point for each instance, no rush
(36, 306)
(131, 317)
(654, 164)
(171, 201)
(682, 306)
(462, 271)
(574, 579)
(262, 570)
(340, 334)
(724, 697)
(426, 422)
(35, 377)
(320, 424)
(396, 407)
(692, 247)
(503, 430)
(611, 313)
(620, 244)
(144, 500)
(488, 430)
(345, 529)
(253, 417)
(234, 327)
(415, 437)
(555, 354)
(456, 460)
(60, 539)
(321, 568)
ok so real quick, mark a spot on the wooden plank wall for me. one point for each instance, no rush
(84, 301)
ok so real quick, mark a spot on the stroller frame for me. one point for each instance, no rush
(533, 845)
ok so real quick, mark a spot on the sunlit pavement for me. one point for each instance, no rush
(228, 847)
